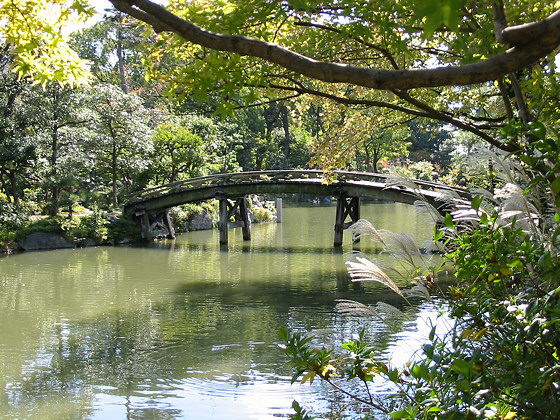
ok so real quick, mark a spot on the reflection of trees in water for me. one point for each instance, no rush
(142, 325)
(205, 331)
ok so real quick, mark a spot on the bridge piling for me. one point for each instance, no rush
(237, 210)
(224, 218)
(345, 207)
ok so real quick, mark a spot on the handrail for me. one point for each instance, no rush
(275, 176)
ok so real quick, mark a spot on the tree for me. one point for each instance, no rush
(37, 31)
(114, 36)
(121, 139)
(55, 112)
(358, 138)
(178, 153)
(430, 141)
(17, 155)
(331, 51)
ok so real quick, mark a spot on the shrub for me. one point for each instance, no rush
(262, 214)
(182, 216)
(501, 357)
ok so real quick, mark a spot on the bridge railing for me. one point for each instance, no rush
(274, 176)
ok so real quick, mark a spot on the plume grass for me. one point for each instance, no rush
(362, 269)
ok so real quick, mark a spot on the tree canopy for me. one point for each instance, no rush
(436, 59)
(250, 30)
(360, 54)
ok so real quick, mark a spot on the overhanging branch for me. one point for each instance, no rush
(530, 43)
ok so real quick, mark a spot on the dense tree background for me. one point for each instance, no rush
(128, 129)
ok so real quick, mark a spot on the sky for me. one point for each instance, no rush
(100, 5)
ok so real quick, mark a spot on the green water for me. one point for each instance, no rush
(184, 330)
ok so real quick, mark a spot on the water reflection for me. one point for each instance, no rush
(182, 330)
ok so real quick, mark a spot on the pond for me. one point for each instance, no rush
(184, 330)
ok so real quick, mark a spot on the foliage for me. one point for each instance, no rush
(182, 216)
(123, 231)
(262, 214)
(422, 170)
(96, 227)
(121, 130)
(430, 142)
(500, 359)
(359, 137)
(38, 31)
(114, 49)
(177, 154)
(12, 219)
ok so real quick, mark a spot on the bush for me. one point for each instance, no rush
(501, 357)
(182, 216)
(262, 214)
(96, 227)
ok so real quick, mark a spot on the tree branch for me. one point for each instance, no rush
(500, 22)
(385, 52)
(531, 42)
(350, 101)
(438, 115)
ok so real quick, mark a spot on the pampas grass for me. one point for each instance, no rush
(364, 228)
(362, 269)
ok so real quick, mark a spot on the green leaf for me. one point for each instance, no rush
(476, 202)
(463, 385)
(449, 221)
(537, 129)
(401, 414)
(462, 367)
(283, 333)
(555, 185)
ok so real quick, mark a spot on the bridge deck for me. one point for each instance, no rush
(350, 184)
(347, 187)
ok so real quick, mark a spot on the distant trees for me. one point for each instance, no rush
(120, 137)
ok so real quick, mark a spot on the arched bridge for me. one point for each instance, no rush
(232, 188)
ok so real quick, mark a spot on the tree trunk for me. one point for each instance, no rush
(13, 181)
(114, 171)
(368, 159)
(3, 181)
(375, 162)
(120, 55)
(286, 126)
(54, 174)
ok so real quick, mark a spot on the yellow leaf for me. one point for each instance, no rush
(310, 376)
(479, 334)
(506, 271)
(327, 370)
(467, 333)
(510, 415)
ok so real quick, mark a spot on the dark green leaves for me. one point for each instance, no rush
(436, 14)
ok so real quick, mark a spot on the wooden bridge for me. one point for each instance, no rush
(151, 206)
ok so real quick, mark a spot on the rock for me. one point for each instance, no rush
(43, 240)
(201, 221)
(89, 242)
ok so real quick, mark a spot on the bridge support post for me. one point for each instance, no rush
(237, 210)
(146, 226)
(169, 225)
(224, 219)
(279, 210)
(345, 207)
